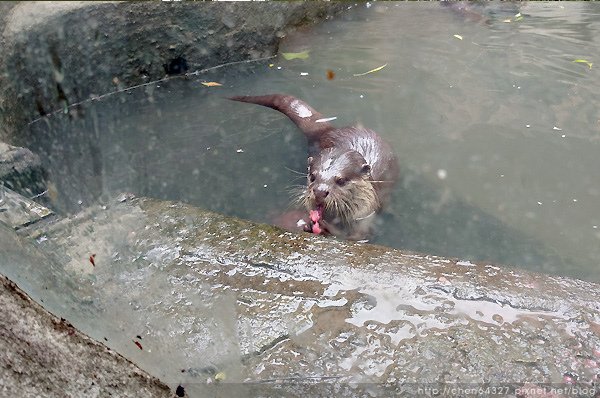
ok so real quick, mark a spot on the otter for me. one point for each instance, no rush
(351, 170)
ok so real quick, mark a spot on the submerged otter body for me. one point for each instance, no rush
(351, 170)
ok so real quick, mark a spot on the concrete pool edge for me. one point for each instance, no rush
(481, 310)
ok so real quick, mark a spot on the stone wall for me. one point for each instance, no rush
(55, 54)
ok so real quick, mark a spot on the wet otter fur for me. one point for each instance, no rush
(351, 170)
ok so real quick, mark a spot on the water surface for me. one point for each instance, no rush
(496, 128)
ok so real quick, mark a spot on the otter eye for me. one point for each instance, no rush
(341, 181)
(365, 169)
(312, 177)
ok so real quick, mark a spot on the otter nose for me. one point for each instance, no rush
(320, 193)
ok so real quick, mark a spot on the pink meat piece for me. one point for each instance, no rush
(316, 229)
(315, 215)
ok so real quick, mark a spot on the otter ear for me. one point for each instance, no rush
(365, 168)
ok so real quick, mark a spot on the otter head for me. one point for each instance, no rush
(339, 186)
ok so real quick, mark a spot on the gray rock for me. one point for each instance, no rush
(21, 170)
(5, 7)
(17, 211)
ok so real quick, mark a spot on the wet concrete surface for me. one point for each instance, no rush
(224, 305)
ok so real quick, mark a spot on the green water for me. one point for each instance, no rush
(496, 128)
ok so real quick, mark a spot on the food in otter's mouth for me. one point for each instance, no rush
(315, 217)
(351, 170)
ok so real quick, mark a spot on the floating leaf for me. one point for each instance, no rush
(583, 61)
(289, 56)
(330, 74)
(518, 17)
(459, 37)
(371, 71)
(211, 84)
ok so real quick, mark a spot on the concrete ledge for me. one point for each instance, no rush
(44, 356)
(259, 305)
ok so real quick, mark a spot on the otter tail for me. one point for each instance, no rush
(303, 115)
